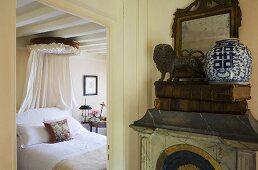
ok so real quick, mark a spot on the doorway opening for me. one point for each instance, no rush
(38, 20)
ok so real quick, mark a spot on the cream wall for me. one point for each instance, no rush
(7, 86)
(108, 9)
(22, 55)
(161, 19)
(89, 64)
(249, 36)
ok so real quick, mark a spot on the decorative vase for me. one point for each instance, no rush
(228, 62)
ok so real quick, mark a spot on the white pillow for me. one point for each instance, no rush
(31, 135)
(75, 127)
(36, 117)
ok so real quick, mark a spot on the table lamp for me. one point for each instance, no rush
(102, 105)
(85, 108)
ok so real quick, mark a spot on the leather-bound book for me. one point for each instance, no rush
(203, 92)
(185, 105)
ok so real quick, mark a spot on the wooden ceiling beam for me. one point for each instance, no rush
(59, 23)
(36, 15)
(91, 37)
(93, 43)
(86, 29)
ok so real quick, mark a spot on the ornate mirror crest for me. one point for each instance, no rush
(203, 22)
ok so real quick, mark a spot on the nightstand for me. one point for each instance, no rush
(86, 124)
(97, 124)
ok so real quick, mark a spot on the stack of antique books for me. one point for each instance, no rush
(215, 98)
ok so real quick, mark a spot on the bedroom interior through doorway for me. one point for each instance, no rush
(24, 36)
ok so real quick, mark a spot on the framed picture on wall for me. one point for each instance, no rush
(90, 85)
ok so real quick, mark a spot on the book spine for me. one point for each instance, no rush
(200, 106)
(204, 92)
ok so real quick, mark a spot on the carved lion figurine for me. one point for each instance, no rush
(166, 61)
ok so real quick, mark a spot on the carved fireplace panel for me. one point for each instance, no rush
(231, 140)
(185, 157)
(211, 151)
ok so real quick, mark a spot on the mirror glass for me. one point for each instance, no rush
(202, 33)
(203, 22)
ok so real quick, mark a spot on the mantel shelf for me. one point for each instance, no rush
(228, 126)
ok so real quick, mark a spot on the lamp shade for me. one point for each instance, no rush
(85, 107)
(103, 104)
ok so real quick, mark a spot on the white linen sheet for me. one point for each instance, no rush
(95, 161)
(45, 156)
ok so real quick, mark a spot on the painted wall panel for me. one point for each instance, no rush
(7, 86)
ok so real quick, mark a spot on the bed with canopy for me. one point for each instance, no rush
(48, 137)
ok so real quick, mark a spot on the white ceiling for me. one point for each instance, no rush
(34, 19)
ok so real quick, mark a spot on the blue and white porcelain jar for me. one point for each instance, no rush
(228, 62)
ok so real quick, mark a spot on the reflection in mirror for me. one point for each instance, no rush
(201, 33)
(203, 22)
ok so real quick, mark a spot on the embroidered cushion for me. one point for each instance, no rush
(58, 131)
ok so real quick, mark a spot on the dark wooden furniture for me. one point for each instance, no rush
(97, 124)
(50, 40)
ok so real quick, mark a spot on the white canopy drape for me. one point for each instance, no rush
(48, 80)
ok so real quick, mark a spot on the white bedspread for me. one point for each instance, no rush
(96, 160)
(46, 156)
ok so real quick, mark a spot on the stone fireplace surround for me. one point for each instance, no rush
(228, 142)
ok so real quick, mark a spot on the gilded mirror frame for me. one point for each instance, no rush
(206, 8)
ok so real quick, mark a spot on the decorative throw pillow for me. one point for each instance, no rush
(58, 131)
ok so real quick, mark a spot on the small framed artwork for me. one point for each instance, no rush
(90, 85)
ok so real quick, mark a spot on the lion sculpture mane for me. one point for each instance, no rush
(166, 61)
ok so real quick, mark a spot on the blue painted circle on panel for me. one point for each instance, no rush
(181, 158)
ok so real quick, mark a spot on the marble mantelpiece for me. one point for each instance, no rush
(230, 139)
(236, 127)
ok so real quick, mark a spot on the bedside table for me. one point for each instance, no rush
(97, 124)
(86, 125)
(83, 122)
